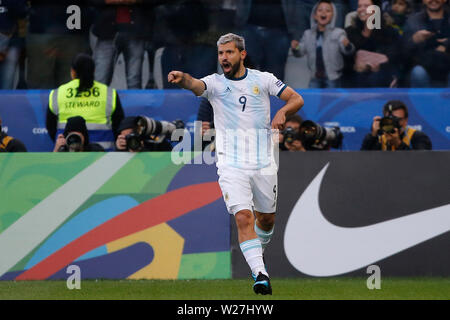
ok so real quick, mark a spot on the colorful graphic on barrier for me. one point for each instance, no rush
(115, 215)
(23, 112)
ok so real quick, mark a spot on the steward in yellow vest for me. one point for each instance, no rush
(97, 103)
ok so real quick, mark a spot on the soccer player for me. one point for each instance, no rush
(244, 145)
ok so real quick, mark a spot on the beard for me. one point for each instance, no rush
(233, 70)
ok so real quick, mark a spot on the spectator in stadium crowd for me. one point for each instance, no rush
(126, 131)
(305, 8)
(10, 144)
(75, 137)
(418, 5)
(184, 36)
(51, 45)
(377, 51)
(121, 26)
(324, 45)
(427, 42)
(268, 28)
(397, 14)
(97, 103)
(291, 143)
(13, 25)
(394, 134)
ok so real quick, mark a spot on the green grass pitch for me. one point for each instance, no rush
(240, 289)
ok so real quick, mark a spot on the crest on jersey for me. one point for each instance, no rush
(255, 90)
(226, 196)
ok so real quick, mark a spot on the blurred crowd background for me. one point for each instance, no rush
(135, 43)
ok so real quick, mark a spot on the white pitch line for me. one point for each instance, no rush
(33, 227)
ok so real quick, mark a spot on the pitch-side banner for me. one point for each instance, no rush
(339, 213)
(112, 215)
(23, 112)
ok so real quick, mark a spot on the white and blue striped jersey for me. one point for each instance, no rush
(242, 117)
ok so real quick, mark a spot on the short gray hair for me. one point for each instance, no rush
(231, 37)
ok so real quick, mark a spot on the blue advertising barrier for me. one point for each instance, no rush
(24, 112)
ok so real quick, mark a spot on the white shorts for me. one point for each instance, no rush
(248, 189)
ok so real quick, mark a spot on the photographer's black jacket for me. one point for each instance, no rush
(419, 141)
(9, 144)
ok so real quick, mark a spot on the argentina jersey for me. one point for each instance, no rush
(242, 117)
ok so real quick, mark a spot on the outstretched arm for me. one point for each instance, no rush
(294, 102)
(186, 81)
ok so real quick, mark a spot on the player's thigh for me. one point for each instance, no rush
(236, 189)
(265, 192)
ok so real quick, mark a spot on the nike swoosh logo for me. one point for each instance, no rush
(316, 247)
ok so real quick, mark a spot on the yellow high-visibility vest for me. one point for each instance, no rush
(95, 105)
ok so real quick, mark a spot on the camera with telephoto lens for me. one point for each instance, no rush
(388, 124)
(147, 129)
(73, 143)
(315, 137)
(290, 135)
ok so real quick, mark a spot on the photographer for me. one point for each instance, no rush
(392, 132)
(307, 135)
(140, 133)
(10, 144)
(289, 137)
(75, 138)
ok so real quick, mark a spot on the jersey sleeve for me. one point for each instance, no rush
(209, 86)
(275, 85)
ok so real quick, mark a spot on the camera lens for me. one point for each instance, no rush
(315, 137)
(73, 138)
(310, 132)
(133, 142)
(73, 143)
(289, 135)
